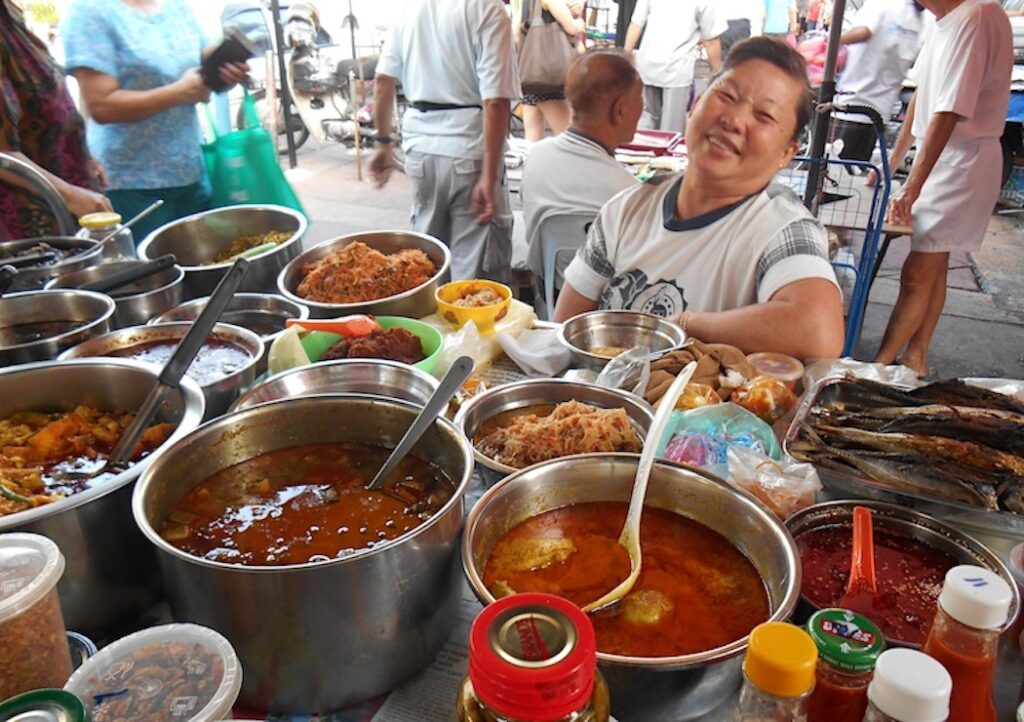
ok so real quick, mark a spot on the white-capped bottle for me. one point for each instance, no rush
(908, 686)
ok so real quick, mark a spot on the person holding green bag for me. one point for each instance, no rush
(137, 65)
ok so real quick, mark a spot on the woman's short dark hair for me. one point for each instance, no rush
(783, 57)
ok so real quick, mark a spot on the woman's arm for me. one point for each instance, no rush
(107, 102)
(571, 303)
(559, 9)
(78, 200)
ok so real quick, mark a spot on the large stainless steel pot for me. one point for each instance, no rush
(219, 394)
(196, 239)
(359, 376)
(325, 635)
(907, 523)
(111, 575)
(91, 312)
(645, 689)
(85, 252)
(414, 303)
(521, 394)
(617, 329)
(135, 303)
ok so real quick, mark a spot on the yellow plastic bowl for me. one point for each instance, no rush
(483, 316)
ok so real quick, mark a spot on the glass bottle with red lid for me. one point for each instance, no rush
(533, 658)
(973, 608)
(848, 646)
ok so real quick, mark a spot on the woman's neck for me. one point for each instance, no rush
(696, 198)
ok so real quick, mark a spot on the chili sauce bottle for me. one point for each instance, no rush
(533, 658)
(964, 638)
(778, 674)
(848, 646)
(908, 686)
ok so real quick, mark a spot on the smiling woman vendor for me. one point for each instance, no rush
(734, 259)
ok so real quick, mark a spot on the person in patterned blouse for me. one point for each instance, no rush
(39, 124)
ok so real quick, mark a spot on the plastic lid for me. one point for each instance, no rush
(533, 657)
(976, 597)
(175, 672)
(781, 659)
(777, 365)
(30, 566)
(96, 221)
(43, 705)
(846, 640)
(910, 686)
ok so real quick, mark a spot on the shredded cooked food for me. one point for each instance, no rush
(250, 241)
(358, 273)
(475, 297)
(34, 444)
(571, 428)
(394, 344)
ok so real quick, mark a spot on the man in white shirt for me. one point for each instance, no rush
(576, 171)
(883, 43)
(734, 259)
(671, 31)
(457, 67)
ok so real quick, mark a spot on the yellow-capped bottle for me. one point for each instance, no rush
(778, 674)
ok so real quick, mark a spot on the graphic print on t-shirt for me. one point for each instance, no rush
(631, 291)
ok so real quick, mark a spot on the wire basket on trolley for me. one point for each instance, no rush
(854, 212)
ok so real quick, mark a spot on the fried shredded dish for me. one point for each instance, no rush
(571, 428)
(250, 241)
(475, 297)
(358, 273)
(34, 444)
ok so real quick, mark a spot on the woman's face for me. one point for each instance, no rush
(740, 131)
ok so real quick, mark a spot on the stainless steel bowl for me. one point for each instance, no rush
(534, 392)
(219, 394)
(196, 239)
(91, 312)
(111, 575)
(264, 314)
(643, 688)
(414, 303)
(86, 253)
(904, 522)
(359, 376)
(135, 303)
(379, 616)
(617, 329)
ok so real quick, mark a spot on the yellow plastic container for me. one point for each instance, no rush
(484, 316)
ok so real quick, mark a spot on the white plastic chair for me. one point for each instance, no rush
(560, 236)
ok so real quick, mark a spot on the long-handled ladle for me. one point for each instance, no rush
(630, 536)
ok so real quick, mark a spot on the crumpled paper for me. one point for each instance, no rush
(538, 352)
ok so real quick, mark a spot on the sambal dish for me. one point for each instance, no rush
(393, 344)
(696, 591)
(36, 446)
(304, 504)
(358, 273)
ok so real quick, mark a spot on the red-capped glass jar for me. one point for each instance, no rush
(533, 658)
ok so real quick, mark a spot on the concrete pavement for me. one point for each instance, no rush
(981, 332)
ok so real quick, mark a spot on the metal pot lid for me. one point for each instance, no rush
(43, 705)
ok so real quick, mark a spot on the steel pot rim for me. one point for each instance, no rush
(679, 662)
(239, 418)
(194, 407)
(107, 301)
(179, 276)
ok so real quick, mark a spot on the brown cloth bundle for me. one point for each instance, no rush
(713, 361)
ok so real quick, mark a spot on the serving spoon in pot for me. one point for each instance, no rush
(630, 536)
(170, 376)
(862, 591)
(452, 382)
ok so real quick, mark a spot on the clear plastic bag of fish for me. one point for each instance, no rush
(785, 485)
(630, 370)
(703, 436)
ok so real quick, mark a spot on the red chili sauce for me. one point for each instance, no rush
(304, 504)
(908, 574)
(696, 591)
(215, 360)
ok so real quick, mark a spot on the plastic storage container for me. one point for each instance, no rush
(779, 366)
(176, 672)
(33, 645)
(778, 674)
(44, 705)
(908, 686)
(97, 226)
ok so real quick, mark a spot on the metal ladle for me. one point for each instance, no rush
(630, 536)
(130, 222)
(451, 383)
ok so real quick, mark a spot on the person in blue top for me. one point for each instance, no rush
(780, 18)
(137, 65)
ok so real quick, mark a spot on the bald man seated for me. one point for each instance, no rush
(576, 172)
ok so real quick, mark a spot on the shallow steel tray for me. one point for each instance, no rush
(1004, 524)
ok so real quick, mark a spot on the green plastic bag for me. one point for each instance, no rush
(243, 166)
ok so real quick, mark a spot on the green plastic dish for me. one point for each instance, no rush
(316, 343)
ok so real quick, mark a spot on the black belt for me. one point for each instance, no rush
(425, 106)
